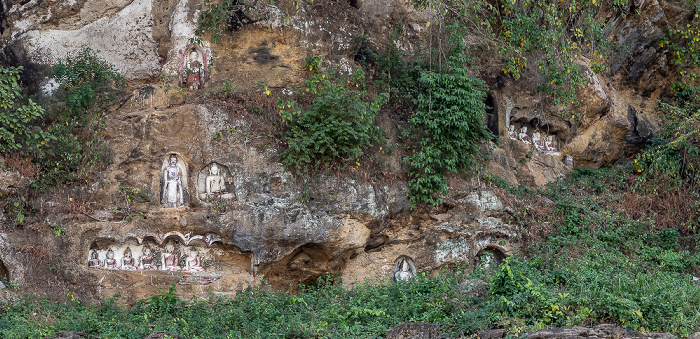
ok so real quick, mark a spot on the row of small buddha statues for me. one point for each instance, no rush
(169, 261)
(547, 145)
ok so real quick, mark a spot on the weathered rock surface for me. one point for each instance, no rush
(414, 331)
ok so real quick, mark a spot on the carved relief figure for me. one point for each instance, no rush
(174, 183)
(403, 269)
(194, 61)
(522, 136)
(194, 264)
(215, 184)
(128, 262)
(537, 141)
(551, 147)
(169, 259)
(147, 262)
(94, 262)
(110, 262)
(511, 132)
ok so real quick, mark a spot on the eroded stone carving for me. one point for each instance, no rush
(94, 260)
(215, 181)
(128, 261)
(511, 132)
(194, 264)
(147, 261)
(403, 269)
(110, 262)
(522, 136)
(194, 66)
(174, 182)
(169, 259)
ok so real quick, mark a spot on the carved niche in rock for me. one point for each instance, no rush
(215, 181)
(194, 66)
(172, 251)
(404, 269)
(173, 182)
(490, 257)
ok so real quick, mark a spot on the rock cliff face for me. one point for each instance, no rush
(222, 229)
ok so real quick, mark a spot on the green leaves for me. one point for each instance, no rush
(17, 113)
(450, 125)
(338, 123)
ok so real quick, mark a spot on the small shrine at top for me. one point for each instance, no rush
(194, 66)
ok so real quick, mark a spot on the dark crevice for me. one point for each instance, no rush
(4, 273)
(491, 115)
(353, 3)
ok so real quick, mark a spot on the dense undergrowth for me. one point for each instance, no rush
(593, 257)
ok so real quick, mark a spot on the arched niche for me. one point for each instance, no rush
(490, 257)
(173, 182)
(215, 181)
(404, 269)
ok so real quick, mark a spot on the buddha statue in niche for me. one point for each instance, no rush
(94, 262)
(128, 262)
(169, 259)
(194, 263)
(538, 142)
(403, 269)
(147, 262)
(522, 136)
(110, 262)
(511, 132)
(215, 184)
(550, 145)
(172, 184)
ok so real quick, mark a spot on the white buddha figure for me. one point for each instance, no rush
(538, 142)
(511, 132)
(550, 145)
(147, 262)
(215, 184)
(194, 263)
(522, 136)
(405, 273)
(169, 259)
(110, 262)
(128, 262)
(172, 184)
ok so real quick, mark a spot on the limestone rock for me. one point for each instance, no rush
(414, 331)
(473, 287)
(492, 334)
(603, 331)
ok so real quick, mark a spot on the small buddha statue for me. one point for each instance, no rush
(511, 132)
(94, 262)
(172, 181)
(147, 262)
(128, 262)
(194, 70)
(537, 141)
(169, 260)
(110, 262)
(215, 184)
(549, 144)
(194, 264)
(522, 136)
(404, 273)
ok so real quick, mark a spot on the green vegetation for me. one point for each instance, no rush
(56, 142)
(593, 256)
(333, 119)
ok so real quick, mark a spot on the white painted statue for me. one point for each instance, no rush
(405, 273)
(215, 184)
(549, 144)
(128, 262)
(511, 132)
(538, 142)
(522, 136)
(110, 262)
(169, 259)
(172, 181)
(147, 262)
(194, 264)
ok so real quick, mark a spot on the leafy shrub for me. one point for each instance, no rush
(333, 121)
(19, 114)
(450, 125)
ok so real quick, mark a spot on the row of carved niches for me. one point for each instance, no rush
(214, 182)
(536, 137)
(172, 252)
